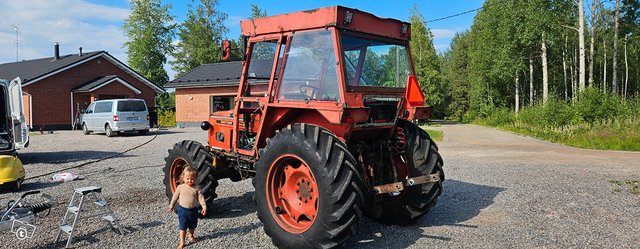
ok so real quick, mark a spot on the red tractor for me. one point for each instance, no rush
(322, 123)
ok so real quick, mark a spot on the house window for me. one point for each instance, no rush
(217, 103)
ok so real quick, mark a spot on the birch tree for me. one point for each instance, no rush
(199, 34)
(149, 30)
(594, 3)
(614, 67)
(545, 74)
(581, 71)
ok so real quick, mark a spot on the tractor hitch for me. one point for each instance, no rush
(400, 186)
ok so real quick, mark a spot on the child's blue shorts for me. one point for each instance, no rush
(187, 218)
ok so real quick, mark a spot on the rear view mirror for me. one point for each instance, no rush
(225, 50)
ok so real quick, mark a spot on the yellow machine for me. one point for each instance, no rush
(14, 133)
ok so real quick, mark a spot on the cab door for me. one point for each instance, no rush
(20, 128)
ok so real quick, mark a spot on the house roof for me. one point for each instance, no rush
(222, 74)
(31, 71)
(99, 82)
(213, 74)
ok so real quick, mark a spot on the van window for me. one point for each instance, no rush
(103, 107)
(131, 106)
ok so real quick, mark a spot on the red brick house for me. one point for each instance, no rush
(56, 88)
(204, 90)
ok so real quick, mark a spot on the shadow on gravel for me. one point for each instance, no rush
(61, 157)
(226, 232)
(460, 202)
(234, 206)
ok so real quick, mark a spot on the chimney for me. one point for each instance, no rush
(56, 51)
(80, 51)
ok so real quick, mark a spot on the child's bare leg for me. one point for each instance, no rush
(182, 235)
(192, 236)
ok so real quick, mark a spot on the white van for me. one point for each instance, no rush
(112, 116)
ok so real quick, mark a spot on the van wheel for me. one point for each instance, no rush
(108, 131)
(85, 130)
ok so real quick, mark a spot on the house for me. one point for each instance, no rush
(56, 89)
(204, 90)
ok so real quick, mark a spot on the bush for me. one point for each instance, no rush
(167, 118)
(499, 117)
(594, 105)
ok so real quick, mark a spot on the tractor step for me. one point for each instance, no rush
(400, 186)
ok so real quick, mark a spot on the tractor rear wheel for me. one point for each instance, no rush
(422, 158)
(308, 190)
(190, 154)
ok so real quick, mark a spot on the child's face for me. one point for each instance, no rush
(189, 179)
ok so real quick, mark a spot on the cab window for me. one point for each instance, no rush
(310, 72)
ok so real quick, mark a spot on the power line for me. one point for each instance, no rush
(459, 14)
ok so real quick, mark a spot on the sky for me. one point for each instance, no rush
(95, 24)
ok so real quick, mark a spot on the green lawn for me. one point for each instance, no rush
(436, 135)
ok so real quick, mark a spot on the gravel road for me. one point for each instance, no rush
(502, 190)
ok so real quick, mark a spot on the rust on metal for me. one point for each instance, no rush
(388, 188)
(400, 186)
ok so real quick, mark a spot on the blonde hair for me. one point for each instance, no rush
(190, 171)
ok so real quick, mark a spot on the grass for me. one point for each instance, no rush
(613, 134)
(632, 186)
(596, 121)
(436, 135)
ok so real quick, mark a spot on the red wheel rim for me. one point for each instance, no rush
(177, 166)
(292, 194)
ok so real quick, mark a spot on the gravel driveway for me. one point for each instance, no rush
(502, 190)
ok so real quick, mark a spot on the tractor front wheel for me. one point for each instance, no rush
(308, 191)
(190, 154)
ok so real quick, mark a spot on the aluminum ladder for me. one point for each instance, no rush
(103, 211)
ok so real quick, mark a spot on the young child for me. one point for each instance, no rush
(188, 196)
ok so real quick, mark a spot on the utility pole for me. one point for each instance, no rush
(16, 27)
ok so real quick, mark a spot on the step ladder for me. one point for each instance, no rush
(76, 206)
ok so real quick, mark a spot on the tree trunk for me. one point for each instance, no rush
(531, 80)
(604, 71)
(517, 93)
(581, 45)
(574, 77)
(564, 68)
(614, 76)
(626, 68)
(545, 75)
(593, 41)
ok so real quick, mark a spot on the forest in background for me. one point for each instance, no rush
(563, 70)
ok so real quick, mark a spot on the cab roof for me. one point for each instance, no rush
(334, 16)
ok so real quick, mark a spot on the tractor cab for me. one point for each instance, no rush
(336, 67)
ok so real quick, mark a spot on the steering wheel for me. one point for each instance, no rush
(304, 89)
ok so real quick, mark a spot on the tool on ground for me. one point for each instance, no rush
(19, 216)
(76, 206)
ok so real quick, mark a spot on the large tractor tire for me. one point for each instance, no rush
(190, 154)
(422, 158)
(308, 190)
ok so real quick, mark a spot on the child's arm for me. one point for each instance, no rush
(174, 198)
(203, 203)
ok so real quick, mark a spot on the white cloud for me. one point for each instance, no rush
(72, 23)
(443, 33)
